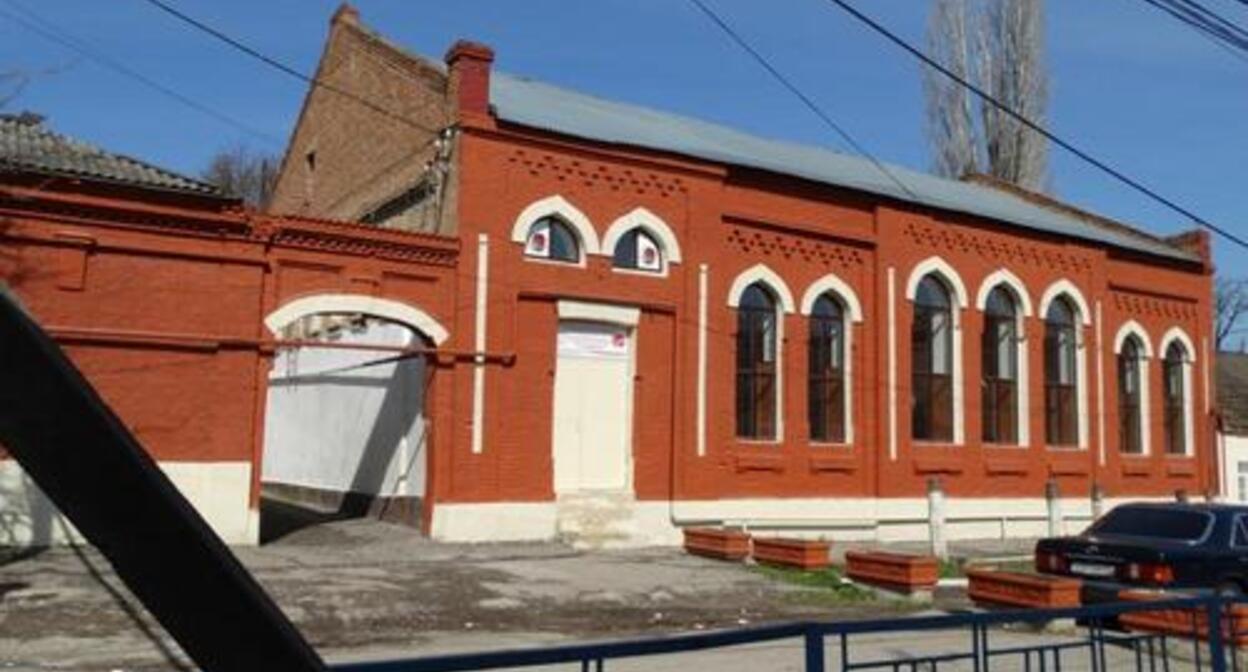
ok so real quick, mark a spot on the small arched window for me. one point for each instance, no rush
(931, 344)
(756, 363)
(999, 350)
(1061, 383)
(638, 251)
(1130, 438)
(826, 370)
(551, 238)
(1174, 376)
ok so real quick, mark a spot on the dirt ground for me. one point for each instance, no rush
(363, 588)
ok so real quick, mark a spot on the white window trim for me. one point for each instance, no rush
(784, 306)
(1064, 287)
(1003, 277)
(388, 309)
(942, 268)
(559, 207)
(840, 290)
(1127, 330)
(1072, 292)
(1189, 404)
(1022, 377)
(761, 273)
(641, 218)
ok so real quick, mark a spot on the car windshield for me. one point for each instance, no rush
(1157, 523)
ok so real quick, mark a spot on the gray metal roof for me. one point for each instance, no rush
(534, 104)
(27, 145)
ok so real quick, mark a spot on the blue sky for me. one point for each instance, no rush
(1141, 91)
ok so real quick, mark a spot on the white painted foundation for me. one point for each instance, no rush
(859, 519)
(219, 491)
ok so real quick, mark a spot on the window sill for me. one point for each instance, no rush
(1136, 465)
(759, 462)
(1004, 446)
(658, 275)
(555, 262)
(835, 459)
(1059, 448)
(1180, 465)
(937, 458)
(1013, 464)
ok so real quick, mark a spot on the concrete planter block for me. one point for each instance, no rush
(799, 553)
(896, 571)
(719, 544)
(1182, 622)
(1018, 589)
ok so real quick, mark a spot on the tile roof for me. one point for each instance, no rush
(27, 145)
(534, 104)
(1232, 379)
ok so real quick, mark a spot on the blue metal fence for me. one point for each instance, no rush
(1088, 648)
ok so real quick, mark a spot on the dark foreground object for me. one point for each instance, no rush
(1153, 545)
(88, 463)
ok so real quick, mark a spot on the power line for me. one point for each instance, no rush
(806, 100)
(283, 67)
(1213, 39)
(49, 31)
(1073, 149)
(1207, 24)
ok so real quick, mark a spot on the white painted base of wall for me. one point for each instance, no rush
(845, 519)
(219, 491)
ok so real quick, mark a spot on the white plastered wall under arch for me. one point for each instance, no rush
(1133, 329)
(1172, 335)
(840, 290)
(339, 421)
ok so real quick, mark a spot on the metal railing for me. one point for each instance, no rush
(1092, 641)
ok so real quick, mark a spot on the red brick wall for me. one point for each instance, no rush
(802, 231)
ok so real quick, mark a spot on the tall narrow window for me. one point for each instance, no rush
(1129, 434)
(1061, 386)
(931, 377)
(999, 348)
(756, 363)
(1173, 377)
(826, 357)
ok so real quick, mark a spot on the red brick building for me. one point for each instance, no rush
(714, 327)
(630, 321)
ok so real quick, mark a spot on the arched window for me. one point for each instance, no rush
(1174, 381)
(756, 363)
(1061, 383)
(826, 357)
(1130, 438)
(931, 344)
(638, 251)
(552, 238)
(999, 349)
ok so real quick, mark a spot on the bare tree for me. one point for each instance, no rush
(245, 174)
(998, 45)
(1230, 305)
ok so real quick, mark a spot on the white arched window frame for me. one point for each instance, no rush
(761, 274)
(395, 311)
(957, 289)
(652, 224)
(1131, 329)
(838, 289)
(1015, 286)
(1189, 404)
(1066, 288)
(559, 208)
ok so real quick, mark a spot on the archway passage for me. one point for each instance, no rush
(345, 431)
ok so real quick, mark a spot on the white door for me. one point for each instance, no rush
(593, 407)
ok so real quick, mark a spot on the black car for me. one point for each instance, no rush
(1158, 546)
